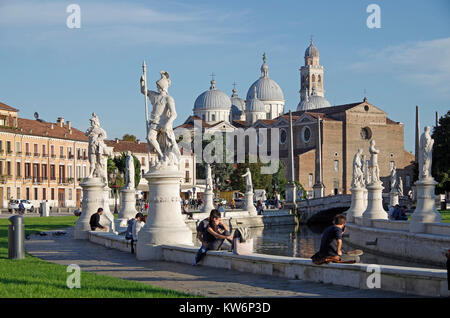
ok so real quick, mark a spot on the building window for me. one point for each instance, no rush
(70, 194)
(283, 136)
(36, 197)
(203, 117)
(27, 193)
(8, 147)
(8, 193)
(44, 194)
(310, 180)
(336, 165)
(18, 193)
(187, 177)
(52, 150)
(18, 172)
(306, 134)
(186, 164)
(366, 133)
(18, 148)
(44, 152)
(8, 168)
(213, 117)
(27, 170)
(44, 171)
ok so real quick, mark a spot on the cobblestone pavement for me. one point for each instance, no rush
(207, 281)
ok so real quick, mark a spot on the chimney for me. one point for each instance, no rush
(51, 126)
(138, 141)
(116, 140)
(60, 121)
(68, 124)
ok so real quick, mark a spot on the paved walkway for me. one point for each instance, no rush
(207, 281)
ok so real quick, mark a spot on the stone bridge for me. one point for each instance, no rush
(324, 209)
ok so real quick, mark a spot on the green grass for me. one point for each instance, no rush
(445, 216)
(33, 277)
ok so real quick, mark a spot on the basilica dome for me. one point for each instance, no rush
(313, 101)
(213, 99)
(266, 88)
(254, 104)
(311, 51)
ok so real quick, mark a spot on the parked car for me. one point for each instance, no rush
(14, 205)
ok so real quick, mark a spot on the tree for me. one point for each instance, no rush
(278, 181)
(441, 154)
(129, 137)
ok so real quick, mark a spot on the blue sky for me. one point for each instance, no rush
(57, 71)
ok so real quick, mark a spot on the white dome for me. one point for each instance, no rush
(313, 102)
(213, 99)
(236, 101)
(254, 104)
(311, 51)
(266, 88)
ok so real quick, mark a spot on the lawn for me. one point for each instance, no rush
(445, 215)
(33, 277)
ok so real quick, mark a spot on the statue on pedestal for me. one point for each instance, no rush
(129, 172)
(98, 151)
(425, 154)
(248, 180)
(394, 180)
(358, 176)
(374, 170)
(209, 182)
(365, 170)
(160, 134)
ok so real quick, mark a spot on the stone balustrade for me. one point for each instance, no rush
(407, 280)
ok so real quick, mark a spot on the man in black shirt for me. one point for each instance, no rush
(331, 244)
(94, 222)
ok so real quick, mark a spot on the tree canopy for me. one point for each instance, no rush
(129, 137)
(441, 154)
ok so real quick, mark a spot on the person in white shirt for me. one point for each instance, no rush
(137, 226)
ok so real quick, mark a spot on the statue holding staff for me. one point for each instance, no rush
(248, 180)
(160, 134)
(425, 154)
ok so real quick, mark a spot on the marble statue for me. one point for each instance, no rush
(400, 187)
(248, 180)
(365, 170)
(160, 135)
(425, 154)
(209, 182)
(358, 176)
(393, 178)
(98, 151)
(374, 170)
(129, 171)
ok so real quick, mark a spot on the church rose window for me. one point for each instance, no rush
(306, 135)
(366, 133)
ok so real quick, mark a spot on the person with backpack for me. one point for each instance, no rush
(129, 232)
(212, 232)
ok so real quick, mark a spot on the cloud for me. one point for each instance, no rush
(31, 22)
(423, 63)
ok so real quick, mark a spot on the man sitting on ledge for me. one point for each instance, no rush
(331, 244)
(94, 222)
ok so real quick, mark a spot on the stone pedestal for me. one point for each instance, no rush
(165, 223)
(319, 190)
(248, 204)
(393, 198)
(374, 210)
(365, 197)
(357, 206)
(128, 206)
(291, 196)
(425, 211)
(209, 203)
(107, 218)
(93, 189)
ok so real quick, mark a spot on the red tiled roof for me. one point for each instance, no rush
(38, 128)
(9, 108)
(124, 146)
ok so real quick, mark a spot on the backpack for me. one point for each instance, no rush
(129, 232)
(202, 227)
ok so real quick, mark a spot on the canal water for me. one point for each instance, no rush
(304, 241)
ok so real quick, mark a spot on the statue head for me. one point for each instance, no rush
(427, 129)
(129, 153)
(94, 120)
(164, 82)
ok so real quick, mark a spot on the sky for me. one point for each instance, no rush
(57, 71)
